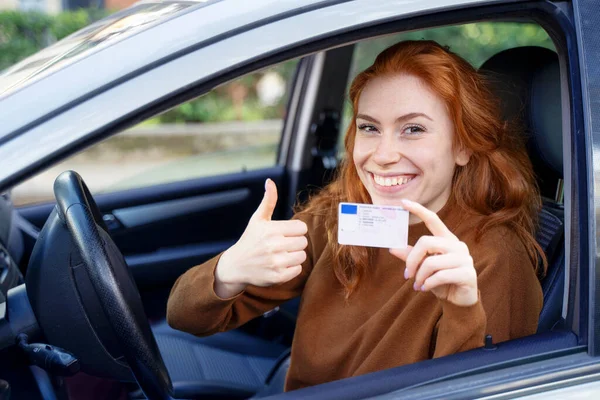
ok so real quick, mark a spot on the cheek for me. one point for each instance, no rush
(436, 163)
(440, 168)
(360, 153)
(438, 155)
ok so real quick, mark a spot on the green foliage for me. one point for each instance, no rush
(68, 22)
(21, 34)
(25, 33)
(218, 105)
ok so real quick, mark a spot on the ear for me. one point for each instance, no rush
(462, 157)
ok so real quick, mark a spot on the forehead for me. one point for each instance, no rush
(399, 93)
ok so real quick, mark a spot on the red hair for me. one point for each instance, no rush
(498, 181)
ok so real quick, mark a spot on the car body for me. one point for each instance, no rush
(157, 54)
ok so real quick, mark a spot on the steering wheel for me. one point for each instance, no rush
(113, 283)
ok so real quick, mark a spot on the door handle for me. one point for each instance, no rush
(112, 222)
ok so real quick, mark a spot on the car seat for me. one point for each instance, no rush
(527, 80)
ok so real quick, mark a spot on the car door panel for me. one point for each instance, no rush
(165, 229)
(140, 216)
(418, 380)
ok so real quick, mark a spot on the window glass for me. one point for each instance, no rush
(234, 128)
(474, 42)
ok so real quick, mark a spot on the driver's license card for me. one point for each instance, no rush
(372, 226)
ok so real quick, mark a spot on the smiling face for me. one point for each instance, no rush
(403, 146)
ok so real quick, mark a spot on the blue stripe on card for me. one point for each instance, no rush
(349, 209)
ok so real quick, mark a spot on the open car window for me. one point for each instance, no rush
(234, 128)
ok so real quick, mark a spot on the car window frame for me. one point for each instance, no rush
(588, 52)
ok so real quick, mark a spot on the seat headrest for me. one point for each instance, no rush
(527, 80)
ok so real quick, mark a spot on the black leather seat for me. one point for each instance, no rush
(527, 80)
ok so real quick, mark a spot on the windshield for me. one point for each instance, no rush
(103, 33)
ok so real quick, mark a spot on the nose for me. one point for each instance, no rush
(387, 151)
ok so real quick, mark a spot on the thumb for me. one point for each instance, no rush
(402, 253)
(268, 203)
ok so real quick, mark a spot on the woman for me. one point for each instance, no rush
(427, 135)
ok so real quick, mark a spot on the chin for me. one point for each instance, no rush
(385, 201)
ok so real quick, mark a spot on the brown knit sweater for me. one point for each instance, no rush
(385, 323)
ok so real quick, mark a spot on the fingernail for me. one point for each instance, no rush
(416, 287)
(407, 202)
(266, 183)
(423, 288)
(405, 273)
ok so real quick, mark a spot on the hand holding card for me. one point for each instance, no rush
(440, 263)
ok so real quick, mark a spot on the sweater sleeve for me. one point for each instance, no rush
(510, 298)
(194, 307)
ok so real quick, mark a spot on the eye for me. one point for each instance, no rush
(413, 130)
(367, 128)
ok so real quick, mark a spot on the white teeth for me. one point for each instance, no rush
(393, 181)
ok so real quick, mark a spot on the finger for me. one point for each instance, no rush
(455, 276)
(402, 253)
(283, 275)
(285, 244)
(289, 259)
(267, 205)
(431, 219)
(427, 245)
(294, 227)
(433, 264)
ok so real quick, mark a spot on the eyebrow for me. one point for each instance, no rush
(399, 119)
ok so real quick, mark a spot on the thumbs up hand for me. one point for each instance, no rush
(268, 253)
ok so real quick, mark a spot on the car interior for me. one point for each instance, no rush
(159, 230)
